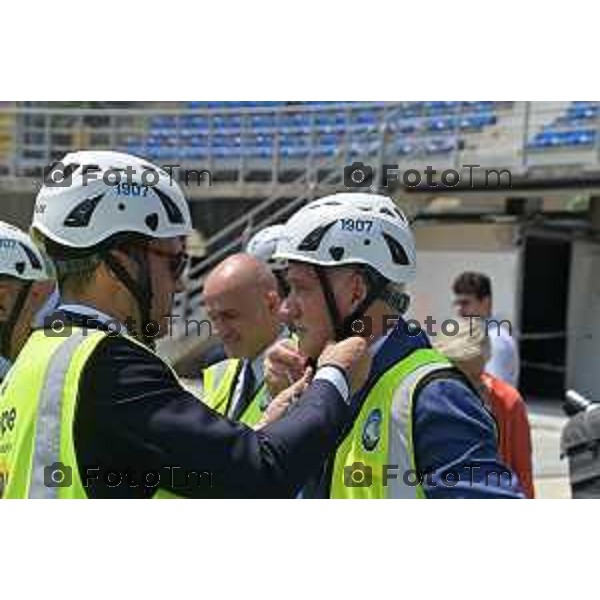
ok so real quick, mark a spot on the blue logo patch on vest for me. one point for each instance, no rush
(372, 430)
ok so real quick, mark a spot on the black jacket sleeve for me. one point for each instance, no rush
(134, 416)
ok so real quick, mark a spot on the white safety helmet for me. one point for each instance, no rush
(81, 205)
(382, 205)
(91, 199)
(263, 244)
(332, 233)
(342, 231)
(21, 260)
(20, 257)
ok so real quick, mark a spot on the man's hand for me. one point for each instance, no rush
(283, 365)
(352, 356)
(280, 404)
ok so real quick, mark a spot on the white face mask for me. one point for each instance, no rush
(47, 309)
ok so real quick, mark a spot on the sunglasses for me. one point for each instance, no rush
(178, 263)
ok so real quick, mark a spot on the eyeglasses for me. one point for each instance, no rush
(178, 263)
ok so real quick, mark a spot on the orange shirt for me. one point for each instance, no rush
(514, 435)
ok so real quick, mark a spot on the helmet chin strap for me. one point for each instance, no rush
(343, 328)
(282, 284)
(332, 309)
(8, 327)
(141, 290)
(374, 292)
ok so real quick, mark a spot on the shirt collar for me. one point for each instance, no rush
(5, 365)
(257, 364)
(47, 309)
(89, 311)
(376, 346)
(257, 367)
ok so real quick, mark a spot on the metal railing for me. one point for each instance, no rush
(240, 140)
(277, 138)
(233, 140)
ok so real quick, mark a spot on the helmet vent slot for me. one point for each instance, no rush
(396, 250)
(401, 215)
(33, 259)
(80, 216)
(173, 213)
(312, 241)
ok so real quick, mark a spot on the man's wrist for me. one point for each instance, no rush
(337, 377)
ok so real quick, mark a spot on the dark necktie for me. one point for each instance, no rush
(248, 389)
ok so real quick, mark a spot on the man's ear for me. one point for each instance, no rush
(40, 292)
(358, 288)
(273, 301)
(487, 305)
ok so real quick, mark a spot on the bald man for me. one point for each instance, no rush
(242, 301)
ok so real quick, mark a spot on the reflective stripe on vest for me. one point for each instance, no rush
(382, 435)
(49, 417)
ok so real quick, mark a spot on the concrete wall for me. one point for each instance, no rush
(446, 250)
(583, 341)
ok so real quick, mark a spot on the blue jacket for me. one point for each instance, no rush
(454, 435)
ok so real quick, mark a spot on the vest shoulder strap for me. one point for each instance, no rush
(425, 377)
(218, 382)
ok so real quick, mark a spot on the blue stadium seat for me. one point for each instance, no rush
(219, 132)
(569, 130)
